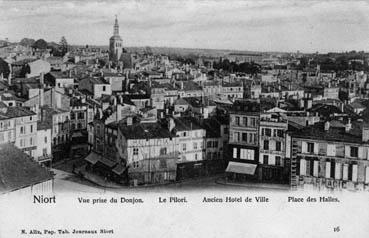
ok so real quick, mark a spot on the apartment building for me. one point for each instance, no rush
(273, 146)
(333, 155)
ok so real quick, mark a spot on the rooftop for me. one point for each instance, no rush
(336, 132)
(138, 131)
(18, 170)
(13, 112)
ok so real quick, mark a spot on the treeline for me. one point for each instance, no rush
(337, 62)
(56, 49)
(233, 67)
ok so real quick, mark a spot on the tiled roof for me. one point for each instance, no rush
(18, 170)
(13, 112)
(144, 131)
(335, 133)
(246, 106)
(186, 124)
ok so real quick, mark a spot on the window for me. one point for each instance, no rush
(280, 133)
(135, 151)
(251, 135)
(163, 151)
(237, 136)
(215, 144)
(243, 153)
(22, 130)
(196, 157)
(268, 132)
(354, 151)
(278, 161)
(234, 153)
(245, 121)
(331, 150)
(266, 145)
(247, 154)
(265, 159)
(310, 147)
(253, 122)
(104, 88)
(237, 121)
(31, 128)
(44, 152)
(184, 134)
(184, 147)
(226, 130)
(278, 146)
(208, 144)
(244, 137)
(81, 115)
(31, 141)
(72, 116)
(195, 146)
(30, 118)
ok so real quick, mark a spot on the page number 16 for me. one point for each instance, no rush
(336, 229)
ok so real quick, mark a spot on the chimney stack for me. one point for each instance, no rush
(327, 125)
(171, 124)
(42, 80)
(348, 125)
(10, 78)
(365, 133)
(129, 121)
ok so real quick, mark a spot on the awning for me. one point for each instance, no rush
(107, 162)
(119, 169)
(92, 158)
(241, 168)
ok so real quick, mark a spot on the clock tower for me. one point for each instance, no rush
(115, 43)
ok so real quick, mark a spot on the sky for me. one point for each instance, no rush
(255, 25)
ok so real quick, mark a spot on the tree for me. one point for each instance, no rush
(63, 45)
(27, 42)
(40, 44)
(4, 68)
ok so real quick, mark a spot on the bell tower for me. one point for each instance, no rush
(115, 43)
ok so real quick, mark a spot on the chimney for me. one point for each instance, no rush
(42, 80)
(10, 78)
(365, 133)
(348, 125)
(129, 121)
(327, 125)
(41, 97)
(171, 124)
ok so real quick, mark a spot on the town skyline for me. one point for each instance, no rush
(285, 26)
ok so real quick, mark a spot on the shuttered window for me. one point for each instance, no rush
(316, 168)
(345, 172)
(234, 153)
(338, 169)
(302, 167)
(327, 169)
(331, 150)
(354, 172)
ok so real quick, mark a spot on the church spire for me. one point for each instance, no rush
(116, 26)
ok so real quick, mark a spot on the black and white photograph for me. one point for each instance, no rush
(184, 118)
